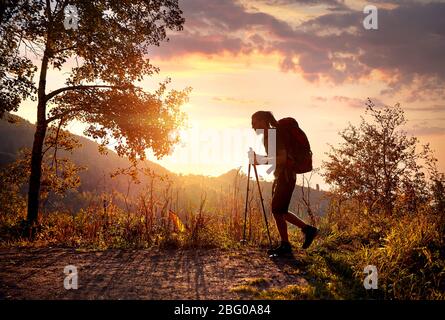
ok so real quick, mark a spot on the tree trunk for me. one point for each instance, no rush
(37, 148)
(36, 173)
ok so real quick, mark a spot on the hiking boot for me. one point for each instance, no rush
(283, 249)
(310, 233)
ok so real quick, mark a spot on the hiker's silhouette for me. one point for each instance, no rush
(292, 156)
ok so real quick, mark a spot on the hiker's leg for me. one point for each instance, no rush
(294, 219)
(309, 231)
(281, 226)
(280, 203)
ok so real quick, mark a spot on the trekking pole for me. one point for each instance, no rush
(262, 203)
(245, 209)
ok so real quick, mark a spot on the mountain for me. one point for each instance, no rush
(20, 133)
(185, 190)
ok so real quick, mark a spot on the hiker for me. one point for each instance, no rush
(289, 145)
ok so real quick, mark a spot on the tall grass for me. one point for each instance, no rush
(407, 248)
(147, 221)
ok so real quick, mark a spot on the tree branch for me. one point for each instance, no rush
(63, 114)
(51, 95)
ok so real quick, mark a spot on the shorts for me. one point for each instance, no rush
(284, 186)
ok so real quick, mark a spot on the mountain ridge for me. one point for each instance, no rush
(96, 179)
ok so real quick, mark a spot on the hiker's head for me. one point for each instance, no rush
(263, 120)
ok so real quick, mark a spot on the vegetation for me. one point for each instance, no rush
(109, 47)
(379, 166)
(386, 207)
(403, 239)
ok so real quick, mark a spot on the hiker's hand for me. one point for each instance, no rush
(252, 158)
(256, 159)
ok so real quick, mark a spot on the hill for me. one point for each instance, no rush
(187, 190)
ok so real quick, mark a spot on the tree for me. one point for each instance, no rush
(377, 163)
(108, 51)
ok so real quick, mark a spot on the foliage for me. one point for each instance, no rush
(109, 47)
(60, 174)
(378, 165)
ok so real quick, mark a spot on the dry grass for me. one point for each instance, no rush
(407, 249)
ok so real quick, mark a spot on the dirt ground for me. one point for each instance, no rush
(37, 273)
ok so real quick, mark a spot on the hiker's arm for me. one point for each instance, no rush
(281, 157)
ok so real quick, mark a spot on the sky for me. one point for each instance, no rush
(308, 59)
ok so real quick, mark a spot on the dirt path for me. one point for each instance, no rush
(37, 273)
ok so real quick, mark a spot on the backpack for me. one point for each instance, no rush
(299, 154)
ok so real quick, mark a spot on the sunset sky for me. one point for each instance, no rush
(309, 59)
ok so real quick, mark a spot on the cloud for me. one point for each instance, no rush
(320, 99)
(407, 48)
(331, 4)
(427, 131)
(434, 108)
(348, 101)
(239, 101)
